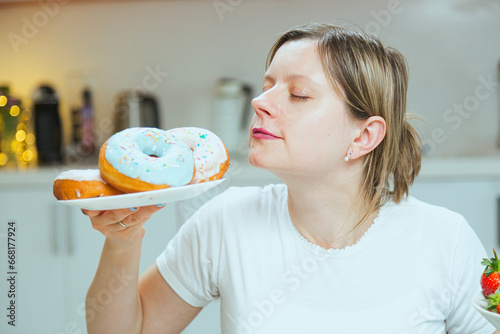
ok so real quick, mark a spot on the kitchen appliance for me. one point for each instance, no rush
(87, 142)
(136, 109)
(48, 129)
(232, 113)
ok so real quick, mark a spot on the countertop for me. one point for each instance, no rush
(239, 173)
(485, 169)
(477, 168)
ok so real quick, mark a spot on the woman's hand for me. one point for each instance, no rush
(122, 227)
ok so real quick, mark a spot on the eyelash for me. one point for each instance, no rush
(297, 97)
(292, 96)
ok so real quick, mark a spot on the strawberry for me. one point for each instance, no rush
(494, 303)
(490, 279)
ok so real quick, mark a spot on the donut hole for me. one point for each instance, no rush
(153, 156)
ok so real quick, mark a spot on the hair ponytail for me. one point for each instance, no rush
(409, 162)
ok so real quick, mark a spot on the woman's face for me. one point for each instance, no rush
(300, 125)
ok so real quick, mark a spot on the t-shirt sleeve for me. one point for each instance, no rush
(190, 262)
(466, 272)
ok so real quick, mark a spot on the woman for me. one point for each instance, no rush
(339, 247)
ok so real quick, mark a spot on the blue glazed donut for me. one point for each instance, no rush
(141, 159)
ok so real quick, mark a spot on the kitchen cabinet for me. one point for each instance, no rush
(475, 200)
(57, 252)
(39, 282)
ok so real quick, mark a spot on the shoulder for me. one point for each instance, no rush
(432, 234)
(435, 231)
(415, 211)
(427, 225)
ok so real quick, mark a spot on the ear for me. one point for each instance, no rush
(372, 132)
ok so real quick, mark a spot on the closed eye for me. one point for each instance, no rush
(299, 97)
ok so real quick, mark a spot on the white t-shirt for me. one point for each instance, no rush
(414, 271)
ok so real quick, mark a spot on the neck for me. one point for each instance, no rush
(328, 213)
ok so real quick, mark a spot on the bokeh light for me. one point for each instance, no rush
(27, 155)
(3, 159)
(14, 111)
(14, 144)
(26, 115)
(30, 139)
(20, 135)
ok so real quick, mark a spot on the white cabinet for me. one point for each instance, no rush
(57, 256)
(39, 293)
(475, 200)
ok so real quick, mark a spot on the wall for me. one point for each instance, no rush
(453, 49)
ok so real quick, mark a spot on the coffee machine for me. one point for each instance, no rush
(136, 109)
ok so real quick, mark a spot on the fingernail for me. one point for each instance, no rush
(161, 205)
(132, 209)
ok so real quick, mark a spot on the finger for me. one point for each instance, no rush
(130, 228)
(141, 215)
(110, 217)
(150, 209)
(133, 232)
(109, 223)
(101, 219)
(118, 232)
(133, 224)
(91, 213)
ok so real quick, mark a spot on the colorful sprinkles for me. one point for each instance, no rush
(151, 155)
(208, 151)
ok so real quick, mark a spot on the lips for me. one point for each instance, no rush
(260, 133)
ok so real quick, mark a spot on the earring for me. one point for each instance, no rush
(348, 156)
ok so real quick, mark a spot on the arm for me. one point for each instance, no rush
(116, 302)
(163, 310)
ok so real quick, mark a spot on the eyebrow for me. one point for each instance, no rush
(290, 77)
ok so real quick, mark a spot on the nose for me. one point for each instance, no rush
(265, 106)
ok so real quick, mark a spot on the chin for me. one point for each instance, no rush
(258, 158)
(253, 158)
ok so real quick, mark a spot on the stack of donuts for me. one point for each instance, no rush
(143, 159)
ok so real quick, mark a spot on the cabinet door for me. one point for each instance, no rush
(39, 293)
(476, 201)
(83, 246)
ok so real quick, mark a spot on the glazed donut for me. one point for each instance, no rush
(142, 159)
(82, 183)
(210, 155)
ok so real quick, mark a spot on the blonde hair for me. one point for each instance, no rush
(372, 79)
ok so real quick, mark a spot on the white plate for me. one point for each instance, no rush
(144, 198)
(480, 303)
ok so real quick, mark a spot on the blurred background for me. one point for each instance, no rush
(74, 72)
